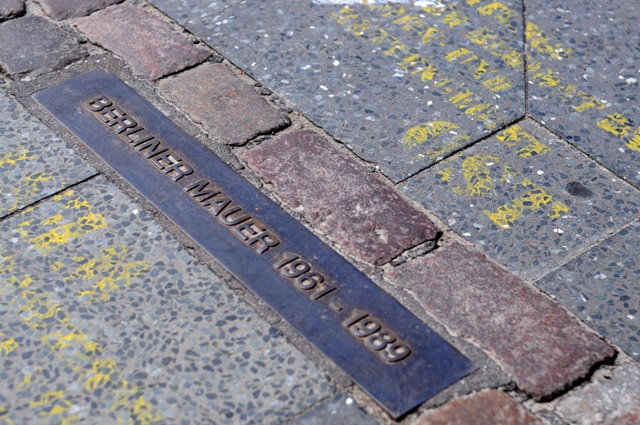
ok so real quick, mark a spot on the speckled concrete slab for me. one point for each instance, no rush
(34, 163)
(583, 77)
(602, 286)
(106, 317)
(339, 410)
(400, 85)
(190, 11)
(526, 198)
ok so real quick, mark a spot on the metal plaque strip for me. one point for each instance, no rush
(396, 358)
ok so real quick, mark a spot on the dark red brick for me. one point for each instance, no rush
(225, 105)
(343, 200)
(34, 45)
(543, 348)
(10, 9)
(65, 9)
(485, 408)
(151, 46)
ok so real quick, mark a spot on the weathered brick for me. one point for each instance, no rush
(485, 408)
(543, 348)
(10, 9)
(212, 96)
(148, 44)
(34, 45)
(66, 9)
(340, 197)
(614, 400)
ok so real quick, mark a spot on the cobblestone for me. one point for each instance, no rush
(535, 340)
(10, 9)
(66, 9)
(234, 112)
(107, 319)
(340, 197)
(612, 400)
(151, 47)
(34, 45)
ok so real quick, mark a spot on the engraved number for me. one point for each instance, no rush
(296, 268)
(380, 340)
(377, 339)
(309, 280)
(396, 352)
(366, 327)
(293, 267)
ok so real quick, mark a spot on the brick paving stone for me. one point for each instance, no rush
(613, 400)
(400, 85)
(543, 348)
(66, 9)
(225, 105)
(602, 286)
(34, 163)
(339, 410)
(107, 319)
(151, 46)
(583, 73)
(34, 45)
(484, 408)
(10, 9)
(526, 198)
(339, 196)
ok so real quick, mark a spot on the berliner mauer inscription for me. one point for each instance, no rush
(385, 349)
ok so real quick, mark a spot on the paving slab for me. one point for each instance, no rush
(484, 408)
(235, 112)
(537, 342)
(602, 287)
(10, 9)
(339, 410)
(526, 198)
(34, 45)
(340, 197)
(150, 45)
(106, 318)
(610, 400)
(67, 9)
(583, 72)
(400, 85)
(192, 10)
(34, 163)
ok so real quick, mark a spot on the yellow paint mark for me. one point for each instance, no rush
(103, 372)
(481, 69)
(423, 132)
(144, 413)
(539, 41)
(344, 15)
(410, 23)
(619, 126)
(476, 171)
(445, 174)
(390, 11)
(360, 27)
(454, 20)
(57, 265)
(433, 10)
(473, 2)
(464, 97)
(417, 64)
(443, 149)
(396, 47)
(591, 103)
(491, 41)
(547, 78)
(497, 84)
(8, 346)
(558, 209)
(28, 187)
(53, 220)
(13, 158)
(22, 227)
(504, 15)
(508, 213)
(46, 398)
(27, 379)
(515, 135)
(458, 53)
(66, 232)
(430, 35)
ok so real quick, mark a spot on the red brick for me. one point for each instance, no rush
(343, 200)
(225, 105)
(148, 44)
(485, 408)
(65, 9)
(543, 348)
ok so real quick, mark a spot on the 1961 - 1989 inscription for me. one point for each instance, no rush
(321, 295)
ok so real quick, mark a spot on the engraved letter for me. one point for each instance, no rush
(112, 113)
(224, 218)
(98, 104)
(199, 190)
(267, 241)
(179, 167)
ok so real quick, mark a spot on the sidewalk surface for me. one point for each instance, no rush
(478, 160)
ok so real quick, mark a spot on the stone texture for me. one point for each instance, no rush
(526, 198)
(484, 408)
(401, 85)
(225, 105)
(10, 9)
(151, 46)
(340, 197)
(602, 286)
(339, 410)
(614, 400)
(34, 163)
(543, 348)
(34, 45)
(105, 318)
(66, 9)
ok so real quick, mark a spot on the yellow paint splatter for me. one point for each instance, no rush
(12, 158)
(477, 173)
(504, 14)
(558, 209)
(515, 135)
(8, 346)
(508, 213)
(445, 174)
(621, 127)
(428, 131)
(67, 232)
(103, 373)
(454, 19)
(497, 84)
(539, 41)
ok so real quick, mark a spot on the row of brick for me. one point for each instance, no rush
(547, 350)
